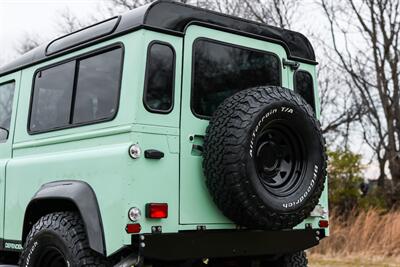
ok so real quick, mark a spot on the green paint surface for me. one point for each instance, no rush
(98, 153)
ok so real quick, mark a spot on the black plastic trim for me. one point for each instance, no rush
(8, 81)
(82, 196)
(149, 109)
(118, 45)
(85, 41)
(232, 243)
(153, 154)
(204, 117)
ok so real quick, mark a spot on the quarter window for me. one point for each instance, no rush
(78, 92)
(159, 78)
(221, 70)
(6, 103)
(303, 85)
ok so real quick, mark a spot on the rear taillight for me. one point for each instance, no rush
(157, 210)
(323, 223)
(133, 228)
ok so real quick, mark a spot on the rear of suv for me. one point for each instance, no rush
(167, 136)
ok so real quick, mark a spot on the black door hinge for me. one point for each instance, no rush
(293, 65)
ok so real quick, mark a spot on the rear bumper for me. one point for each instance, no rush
(214, 244)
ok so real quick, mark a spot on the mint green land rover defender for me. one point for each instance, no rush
(168, 136)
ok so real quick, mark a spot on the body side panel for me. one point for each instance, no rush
(6, 147)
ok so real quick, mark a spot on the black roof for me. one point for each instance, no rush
(166, 16)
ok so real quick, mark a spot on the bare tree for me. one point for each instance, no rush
(339, 109)
(280, 13)
(27, 43)
(69, 22)
(119, 6)
(371, 59)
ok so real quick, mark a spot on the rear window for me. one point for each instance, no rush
(79, 92)
(221, 70)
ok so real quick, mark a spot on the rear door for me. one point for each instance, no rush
(8, 86)
(216, 65)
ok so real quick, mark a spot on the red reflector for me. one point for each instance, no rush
(157, 210)
(133, 228)
(323, 223)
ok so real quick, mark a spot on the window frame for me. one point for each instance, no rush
(98, 51)
(204, 117)
(312, 86)
(147, 107)
(12, 81)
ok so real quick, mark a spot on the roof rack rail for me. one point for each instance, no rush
(83, 35)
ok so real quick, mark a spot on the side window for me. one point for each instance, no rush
(160, 70)
(51, 103)
(97, 88)
(82, 91)
(304, 86)
(221, 70)
(6, 103)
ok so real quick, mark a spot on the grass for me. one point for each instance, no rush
(367, 239)
(351, 261)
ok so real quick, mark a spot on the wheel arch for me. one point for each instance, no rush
(68, 196)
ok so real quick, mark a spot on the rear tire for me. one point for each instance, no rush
(59, 240)
(264, 158)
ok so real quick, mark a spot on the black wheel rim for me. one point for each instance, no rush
(280, 158)
(51, 257)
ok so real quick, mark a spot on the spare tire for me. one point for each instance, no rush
(264, 158)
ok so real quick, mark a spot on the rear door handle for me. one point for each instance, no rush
(153, 154)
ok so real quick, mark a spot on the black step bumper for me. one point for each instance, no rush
(215, 244)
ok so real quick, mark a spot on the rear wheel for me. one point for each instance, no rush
(59, 240)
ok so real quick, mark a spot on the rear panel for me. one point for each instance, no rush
(196, 205)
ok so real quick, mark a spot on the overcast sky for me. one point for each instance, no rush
(36, 17)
